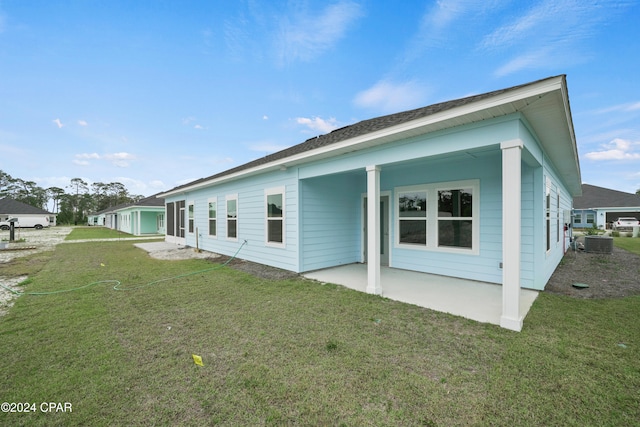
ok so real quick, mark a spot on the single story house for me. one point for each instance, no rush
(601, 206)
(473, 188)
(140, 218)
(10, 208)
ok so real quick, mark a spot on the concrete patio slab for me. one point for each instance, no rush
(474, 300)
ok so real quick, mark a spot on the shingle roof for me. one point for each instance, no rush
(599, 197)
(151, 201)
(360, 128)
(14, 207)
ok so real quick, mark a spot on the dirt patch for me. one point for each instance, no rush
(29, 241)
(262, 271)
(613, 275)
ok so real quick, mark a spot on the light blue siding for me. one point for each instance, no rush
(485, 167)
(251, 219)
(331, 228)
(324, 209)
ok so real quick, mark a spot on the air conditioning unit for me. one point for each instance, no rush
(598, 244)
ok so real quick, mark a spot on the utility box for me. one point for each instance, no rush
(598, 244)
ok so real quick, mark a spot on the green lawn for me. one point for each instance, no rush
(297, 352)
(628, 243)
(79, 233)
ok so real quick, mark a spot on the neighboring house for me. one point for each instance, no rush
(473, 188)
(143, 217)
(96, 219)
(12, 208)
(602, 206)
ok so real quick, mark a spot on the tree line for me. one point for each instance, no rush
(73, 203)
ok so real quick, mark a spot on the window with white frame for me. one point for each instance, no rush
(232, 216)
(213, 217)
(275, 216)
(548, 212)
(577, 218)
(191, 217)
(591, 218)
(441, 217)
(412, 216)
(455, 218)
(558, 215)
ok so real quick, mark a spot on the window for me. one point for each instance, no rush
(213, 216)
(455, 218)
(232, 217)
(191, 218)
(275, 216)
(442, 217)
(548, 212)
(577, 218)
(412, 217)
(160, 221)
(591, 218)
(557, 215)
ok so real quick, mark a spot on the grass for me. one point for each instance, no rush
(79, 233)
(297, 352)
(629, 244)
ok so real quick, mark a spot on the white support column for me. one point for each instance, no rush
(373, 230)
(511, 234)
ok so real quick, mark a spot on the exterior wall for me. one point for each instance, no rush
(586, 218)
(560, 201)
(330, 231)
(323, 207)
(483, 265)
(251, 219)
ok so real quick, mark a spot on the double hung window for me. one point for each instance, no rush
(412, 217)
(232, 217)
(275, 216)
(441, 217)
(191, 218)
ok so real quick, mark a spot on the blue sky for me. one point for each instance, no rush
(155, 94)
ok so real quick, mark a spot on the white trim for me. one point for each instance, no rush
(511, 237)
(374, 285)
(270, 192)
(227, 199)
(432, 217)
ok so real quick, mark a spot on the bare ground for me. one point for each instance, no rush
(613, 275)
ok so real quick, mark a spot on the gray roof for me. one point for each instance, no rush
(13, 207)
(599, 197)
(151, 201)
(361, 128)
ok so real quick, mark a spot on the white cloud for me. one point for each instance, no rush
(307, 35)
(265, 117)
(530, 59)
(392, 97)
(318, 124)
(617, 149)
(550, 34)
(58, 123)
(82, 123)
(625, 108)
(121, 159)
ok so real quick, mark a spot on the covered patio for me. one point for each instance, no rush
(473, 300)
